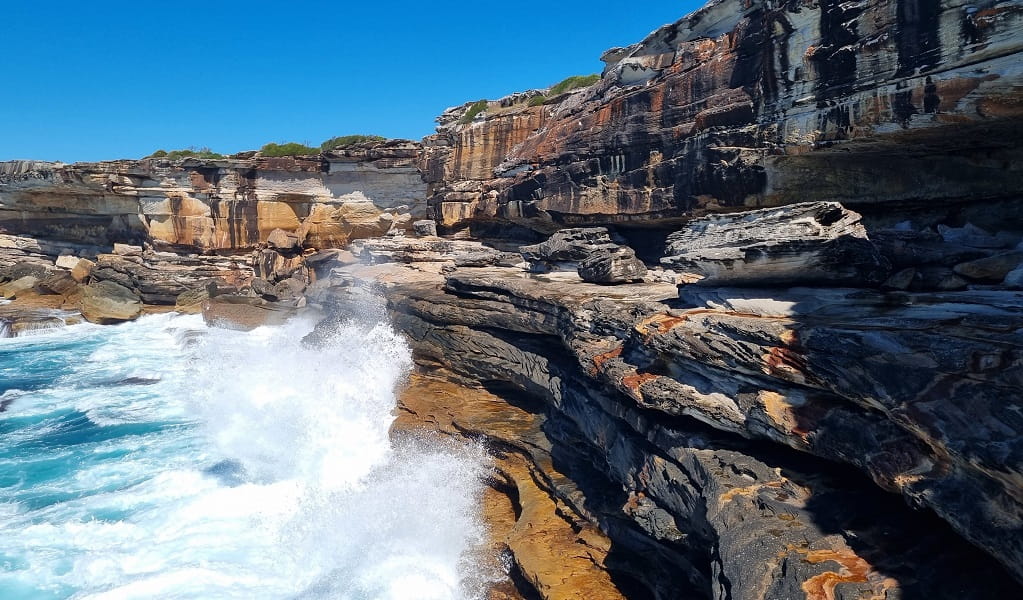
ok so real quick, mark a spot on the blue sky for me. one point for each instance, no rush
(110, 79)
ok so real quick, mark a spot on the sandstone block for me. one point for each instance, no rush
(284, 241)
(67, 261)
(82, 270)
(106, 302)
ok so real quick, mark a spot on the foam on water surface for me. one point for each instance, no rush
(161, 459)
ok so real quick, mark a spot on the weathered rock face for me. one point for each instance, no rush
(749, 103)
(216, 204)
(797, 244)
(745, 442)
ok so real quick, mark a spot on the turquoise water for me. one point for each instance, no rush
(162, 459)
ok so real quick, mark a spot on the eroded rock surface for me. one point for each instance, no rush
(751, 103)
(225, 204)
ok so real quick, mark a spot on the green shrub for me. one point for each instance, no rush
(192, 152)
(349, 140)
(537, 100)
(476, 108)
(288, 149)
(573, 83)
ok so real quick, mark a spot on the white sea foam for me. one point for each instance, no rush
(260, 469)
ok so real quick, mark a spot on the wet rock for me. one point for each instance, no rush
(244, 313)
(992, 269)
(106, 302)
(59, 282)
(19, 286)
(425, 228)
(23, 269)
(191, 301)
(612, 265)
(796, 244)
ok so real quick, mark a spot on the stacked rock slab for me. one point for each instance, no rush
(796, 244)
(752, 442)
(222, 204)
(752, 103)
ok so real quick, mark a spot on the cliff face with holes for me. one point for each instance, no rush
(215, 205)
(754, 103)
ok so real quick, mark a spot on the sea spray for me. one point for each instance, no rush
(161, 459)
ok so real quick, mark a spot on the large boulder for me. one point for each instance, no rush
(568, 246)
(283, 241)
(817, 242)
(19, 286)
(612, 265)
(992, 269)
(244, 312)
(106, 302)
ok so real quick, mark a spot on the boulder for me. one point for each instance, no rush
(82, 269)
(190, 302)
(23, 269)
(67, 261)
(19, 286)
(127, 250)
(1014, 280)
(992, 269)
(568, 246)
(58, 282)
(106, 302)
(284, 241)
(612, 265)
(425, 228)
(243, 312)
(816, 242)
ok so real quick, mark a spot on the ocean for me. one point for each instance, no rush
(162, 459)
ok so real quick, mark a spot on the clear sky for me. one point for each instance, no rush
(84, 81)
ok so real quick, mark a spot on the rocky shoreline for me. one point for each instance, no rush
(741, 320)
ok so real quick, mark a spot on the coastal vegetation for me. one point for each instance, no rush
(568, 84)
(287, 149)
(191, 152)
(476, 108)
(344, 141)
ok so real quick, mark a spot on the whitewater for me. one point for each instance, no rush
(164, 459)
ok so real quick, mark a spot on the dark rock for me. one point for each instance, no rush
(59, 282)
(800, 243)
(612, 265)
(992, 269)
(106, 302)
(23, 269)
(569, 246)
(425, 228)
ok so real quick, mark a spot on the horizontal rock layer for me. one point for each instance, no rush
(749, 103)
(744, 442)
(210, 205)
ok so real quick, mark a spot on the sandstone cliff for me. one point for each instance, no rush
(215, 205)
(755, 103)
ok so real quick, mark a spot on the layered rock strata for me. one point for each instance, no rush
(748, 104)
(216, 205)
(746, 442)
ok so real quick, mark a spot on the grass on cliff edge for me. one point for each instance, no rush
(288, 149)
(192, 152)
(574, 82)
(349, 140)
(476, 108)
